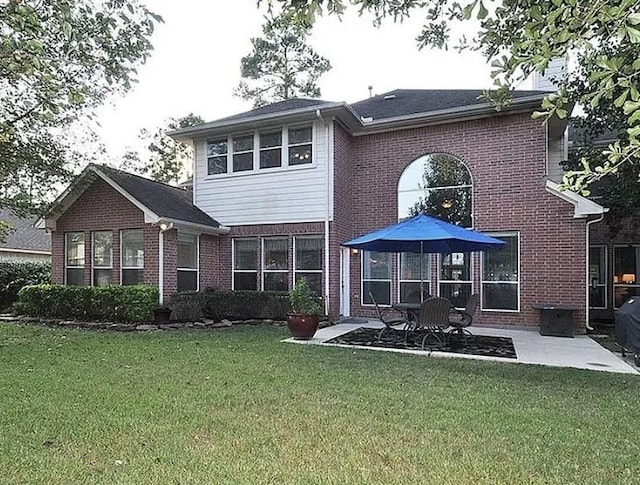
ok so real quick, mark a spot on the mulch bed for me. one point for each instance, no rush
(473, 344)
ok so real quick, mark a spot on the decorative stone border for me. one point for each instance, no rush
(132, 327)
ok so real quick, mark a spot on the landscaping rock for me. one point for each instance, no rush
(222, 324)
(122, 327)
(146, 327)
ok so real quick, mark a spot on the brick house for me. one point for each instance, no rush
(277, 189)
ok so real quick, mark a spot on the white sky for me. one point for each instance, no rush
(196, 64)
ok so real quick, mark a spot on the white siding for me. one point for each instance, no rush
(556, 69)
(282, 195)
(557, 152)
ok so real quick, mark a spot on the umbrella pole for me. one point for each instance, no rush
(421, 274)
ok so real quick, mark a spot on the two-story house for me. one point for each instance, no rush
(277, 189)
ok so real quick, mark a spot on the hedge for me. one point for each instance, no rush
(231, 305)
(129, 304)
(14, 274)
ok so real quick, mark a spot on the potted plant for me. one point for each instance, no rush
(303, 319)
(161, 315)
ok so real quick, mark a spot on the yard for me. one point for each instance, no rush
(238, 406)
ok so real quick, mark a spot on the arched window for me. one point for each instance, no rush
(437, 185)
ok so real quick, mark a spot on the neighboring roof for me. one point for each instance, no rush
(159, 202)
(403, 102)
(23, 235)
(397, 109)
(579, 136)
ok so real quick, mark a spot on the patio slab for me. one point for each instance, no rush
(580, 352)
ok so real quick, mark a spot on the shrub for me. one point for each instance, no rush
(14, 274)
(232, 305)
(132, 304)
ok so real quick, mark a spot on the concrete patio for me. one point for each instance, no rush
(580, 352)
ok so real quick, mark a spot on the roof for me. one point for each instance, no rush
(287, 105)
(159, 202)
(164, 200)
(403, 102)
(396, 109)
(23, 235)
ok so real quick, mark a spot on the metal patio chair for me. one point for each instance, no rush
(434, 320)
(389, 323)
(461, 319)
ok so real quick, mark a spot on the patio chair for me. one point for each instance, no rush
(389, 323)
(434, 320)
(461, 319)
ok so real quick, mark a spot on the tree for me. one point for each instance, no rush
(59, 59)
(520, 37)
(168, 159)
(281, 66)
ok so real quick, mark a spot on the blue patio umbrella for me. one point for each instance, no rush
(423, 234)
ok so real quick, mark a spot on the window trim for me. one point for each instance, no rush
(122, 266)
(518, 282)
(66, 256)
(471, 274)
(195, 270)
(604, 285)
(400, 280)
(94, 267)
(284, 166)
(233, 262)
(315, 271)
(362, 280)
(263, 271)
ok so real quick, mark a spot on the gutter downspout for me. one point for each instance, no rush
(163, 228)
(328, 211)
(588, 285)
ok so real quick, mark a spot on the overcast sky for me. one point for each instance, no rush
(196, 64)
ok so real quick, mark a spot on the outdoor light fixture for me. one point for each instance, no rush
(165, 226)
(629, 278)
(447, 204)
(354, 251)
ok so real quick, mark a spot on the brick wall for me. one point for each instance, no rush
(506, 157)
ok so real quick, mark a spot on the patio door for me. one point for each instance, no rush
(345, 265)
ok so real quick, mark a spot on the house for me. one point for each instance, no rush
(277, 189)
(23, 241)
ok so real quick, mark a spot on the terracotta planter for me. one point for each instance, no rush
(302, 327)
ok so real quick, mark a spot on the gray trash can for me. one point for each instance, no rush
(556, 320)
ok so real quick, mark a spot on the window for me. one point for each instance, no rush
(308, 260)
(455, 278)
(410, 277)
(437, 185)
(102, 258)
(300, 146)
(187, 262)
(626, 268)
(598, 277)
(376, 277)
(75, 258)
(243, 153)
(275, 266)
(501, 275)
(245, 267)
(217, 156)
(271, 149)
(132, 257)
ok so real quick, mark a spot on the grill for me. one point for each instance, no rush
(628, 327)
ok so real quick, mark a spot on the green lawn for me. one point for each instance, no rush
(238, 406)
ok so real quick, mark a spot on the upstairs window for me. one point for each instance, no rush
(243, 153)
(132, 256)
(75, 258)
(217, 156)
(300, 146)
(271, 149)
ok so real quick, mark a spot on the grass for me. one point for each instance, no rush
(238, 406)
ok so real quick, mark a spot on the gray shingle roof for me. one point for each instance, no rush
(402, 102)
(23, 234)
(163, 200)
(281, 106)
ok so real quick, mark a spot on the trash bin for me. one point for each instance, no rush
(556, 320)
